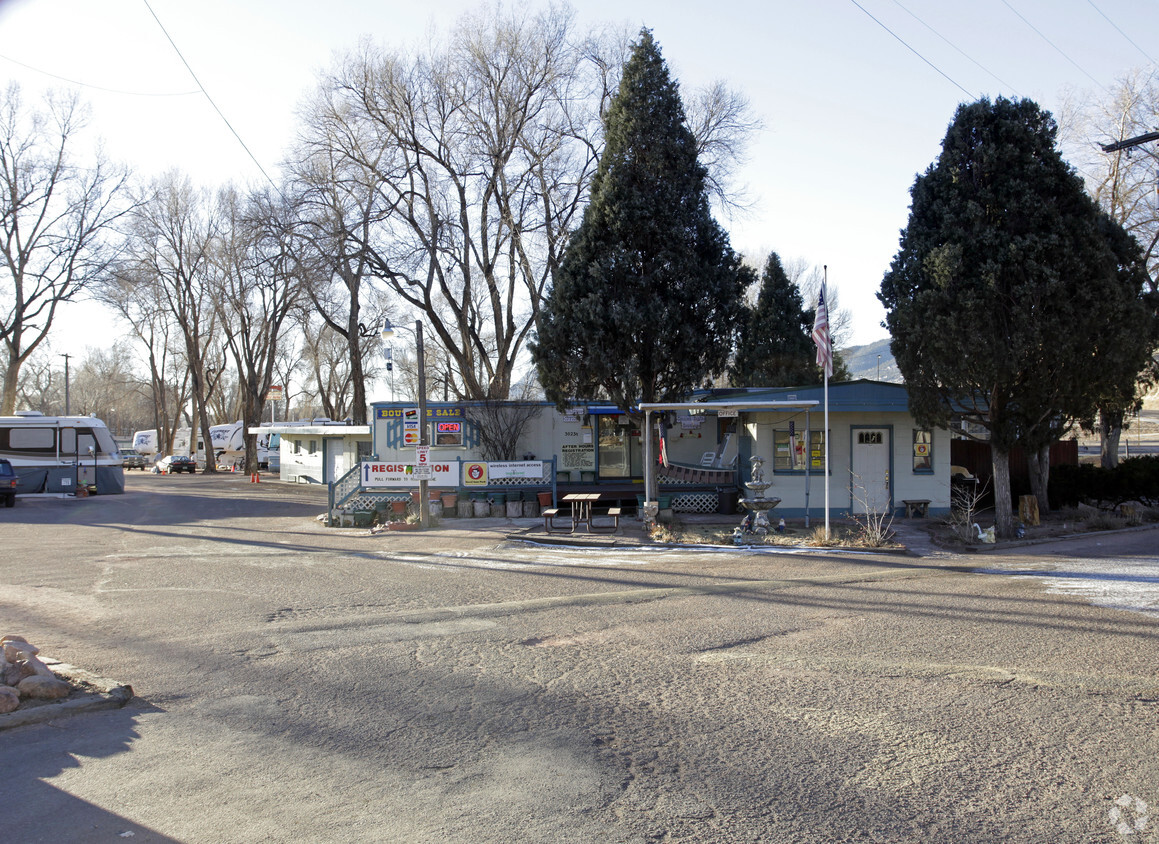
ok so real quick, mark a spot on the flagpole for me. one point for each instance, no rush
(824, 343)
(826, 436)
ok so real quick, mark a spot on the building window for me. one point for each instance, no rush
(789, 451)
(870, 438)
(313, 446)
(297, 446)
(923, 450)
(448, 434)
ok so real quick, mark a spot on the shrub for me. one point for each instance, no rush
(1134, 479)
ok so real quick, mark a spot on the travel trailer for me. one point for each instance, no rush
(228, 445)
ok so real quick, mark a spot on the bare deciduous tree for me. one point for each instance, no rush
(55, 213)
(258, 287)
(169, 251)
(479, 152)
(1123, 182)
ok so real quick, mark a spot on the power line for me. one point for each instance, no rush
(915, 52)
(961, 52)
(97, 87)
(1125, 35)
(209, 98)
(1056, 47)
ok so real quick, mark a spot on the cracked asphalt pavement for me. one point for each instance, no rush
(297, 682)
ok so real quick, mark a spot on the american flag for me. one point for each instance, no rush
(821, 335)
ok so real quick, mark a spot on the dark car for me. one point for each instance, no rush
(8, 483)
(178, 463)
(133, 459)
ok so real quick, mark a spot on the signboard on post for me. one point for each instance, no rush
(422, 455)
(274, 393)
(408, 474)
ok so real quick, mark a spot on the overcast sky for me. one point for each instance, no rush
(853, 107)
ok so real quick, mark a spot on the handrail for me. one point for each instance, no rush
(343, 489)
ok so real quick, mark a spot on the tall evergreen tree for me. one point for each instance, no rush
(1006, 302)
(774, 347)
(645, 303)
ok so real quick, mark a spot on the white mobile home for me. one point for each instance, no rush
(318, 452)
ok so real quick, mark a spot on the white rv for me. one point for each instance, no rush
(56, 454)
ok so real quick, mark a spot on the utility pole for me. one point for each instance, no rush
(66, 408)
(1138, 140)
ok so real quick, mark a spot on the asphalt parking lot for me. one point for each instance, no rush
(297, 682)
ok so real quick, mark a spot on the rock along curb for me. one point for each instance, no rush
(99, 693)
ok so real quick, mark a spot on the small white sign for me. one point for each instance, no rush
(423, 455)
(727, 414)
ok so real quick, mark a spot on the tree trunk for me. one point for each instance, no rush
(1003, 512)
(1110, 431)
(210, 456)
(1039, 466)
(358, 383)
(11, 377)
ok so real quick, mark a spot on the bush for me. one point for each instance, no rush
(1134, 479)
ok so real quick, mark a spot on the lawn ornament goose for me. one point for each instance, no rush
(987, 536)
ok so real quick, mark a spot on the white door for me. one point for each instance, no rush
(335, 460)
(869, 481)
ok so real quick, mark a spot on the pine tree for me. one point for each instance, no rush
(774, 347)
(646, 300)
(1008, 303)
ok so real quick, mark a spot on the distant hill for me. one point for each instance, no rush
(873, 361)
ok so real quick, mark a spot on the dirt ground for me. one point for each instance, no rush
(943, 531)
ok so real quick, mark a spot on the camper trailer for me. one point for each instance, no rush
(228, 445)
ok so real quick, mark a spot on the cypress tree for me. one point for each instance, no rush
(645, 302)
(1009, 303)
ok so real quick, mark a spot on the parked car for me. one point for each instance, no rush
(133, 459)
(174, 463)
(8, 483)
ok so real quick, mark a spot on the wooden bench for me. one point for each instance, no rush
(549, 522)
(916, 507)
(614, 513)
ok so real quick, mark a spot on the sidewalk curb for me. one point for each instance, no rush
(105, 694)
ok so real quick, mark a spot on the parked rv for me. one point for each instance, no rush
(57, 454)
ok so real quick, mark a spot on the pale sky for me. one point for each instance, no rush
(851, 113)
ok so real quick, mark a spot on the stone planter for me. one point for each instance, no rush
(530, 509)
(514, 509)
(465, 508)
(450, 502)
(481, 507)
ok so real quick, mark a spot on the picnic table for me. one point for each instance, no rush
(581, 512)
